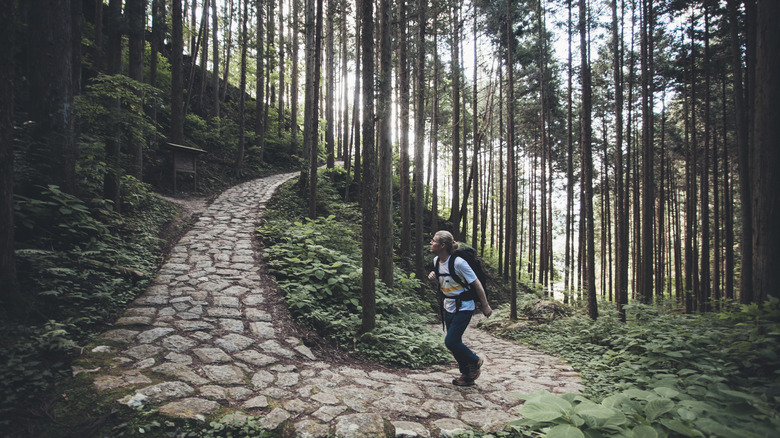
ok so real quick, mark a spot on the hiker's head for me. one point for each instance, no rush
(445, 238)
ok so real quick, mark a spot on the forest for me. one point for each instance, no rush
(612, 162)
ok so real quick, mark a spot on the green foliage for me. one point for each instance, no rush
(78, 264)
(317, 264)
(115, 103)
(662, 374)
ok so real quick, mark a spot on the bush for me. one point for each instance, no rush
(317, 264)
(80, 264)
(662, 374)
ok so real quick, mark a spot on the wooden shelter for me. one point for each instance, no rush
(185, 160)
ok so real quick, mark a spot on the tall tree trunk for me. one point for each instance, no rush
(77, 25)
(331, 86)
(136, 17)
(766, 154)
(214, 60)
(704, 300)
(569, 160)
(455, 69)
(743, 154)
(10, 297)
(660, 218)
(502, 208)
(475, 140)
(239, 163)
(111, 182)
(228, 47)
(369, 198)
(310, 114)
(419, 139)
(403, 75)
(177, 75)
(356, 104)
(385, 126)
(204, 54)
(648, 179)
(587, 164)
(435, 130)
(281, 69)
(259, 110)
(621, 219)
(728, 212)
(294, 82)
(511, 189)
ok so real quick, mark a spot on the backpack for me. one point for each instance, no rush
(470, 256)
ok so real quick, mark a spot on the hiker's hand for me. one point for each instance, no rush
(487, 311)
(432, 276)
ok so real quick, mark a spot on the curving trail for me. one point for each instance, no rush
(220, 341)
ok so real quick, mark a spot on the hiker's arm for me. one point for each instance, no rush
(486, 310)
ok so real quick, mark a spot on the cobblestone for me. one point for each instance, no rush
(203, 339)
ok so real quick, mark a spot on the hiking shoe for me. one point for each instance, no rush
(463, 380)
(474, 370)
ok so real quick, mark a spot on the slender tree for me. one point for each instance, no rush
(743, 156)
(294, 81)
(511, 176)
(214, 60)
(403, 76)
(455, 70)
(587, 162)
(330, 142)
(314, 54)
(282, 51)
(259, 110)
(766, 154)
(136, 17)
(243, 43)
(111, 181)
(419, 138)
(10, 299)
(368, 195)
(177, 75)
(385, 126)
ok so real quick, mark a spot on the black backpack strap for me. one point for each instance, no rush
(466, 295)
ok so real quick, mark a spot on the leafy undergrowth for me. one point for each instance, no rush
(660, 374)
(317, 265)
(80, 264)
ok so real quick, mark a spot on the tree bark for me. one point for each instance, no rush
(403, 75)
(455, 70)
(9, 294)
(239, 163)
(587, 164)
(330, 142)
(368, 204)
(259, 103)
(177, 75)
(294, 83)
(136, 17)
(419, 133)
(214, 60)
(766, 154)
(511, 178)
(385, 126)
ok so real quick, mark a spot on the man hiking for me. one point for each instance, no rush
(460, 289)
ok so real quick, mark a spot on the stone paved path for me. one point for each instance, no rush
(204, 340)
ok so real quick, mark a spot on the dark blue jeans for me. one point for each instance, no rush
(456, 324)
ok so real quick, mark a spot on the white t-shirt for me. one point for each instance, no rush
(452, 288)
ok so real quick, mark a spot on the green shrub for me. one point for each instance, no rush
(317, 265)
(80, 264)
(318, 268)
(662, 374)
